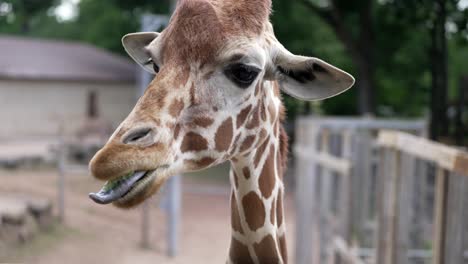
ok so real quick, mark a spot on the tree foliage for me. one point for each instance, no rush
(385, 44)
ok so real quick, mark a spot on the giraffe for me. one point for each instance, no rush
(215, 97)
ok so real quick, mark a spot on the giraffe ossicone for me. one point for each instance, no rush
(216, 97)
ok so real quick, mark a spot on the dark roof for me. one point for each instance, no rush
(38, 59)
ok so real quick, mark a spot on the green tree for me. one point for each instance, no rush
(359, 41)
(394, 69)
(432, 17)
(18, 15)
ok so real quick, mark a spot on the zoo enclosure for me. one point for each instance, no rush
(365, 198)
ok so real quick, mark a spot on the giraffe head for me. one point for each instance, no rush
(213, 66)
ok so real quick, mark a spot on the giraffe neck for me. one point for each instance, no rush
(258, 229)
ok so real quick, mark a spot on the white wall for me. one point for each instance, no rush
(36, 108)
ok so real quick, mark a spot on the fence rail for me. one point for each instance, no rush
(375, 191)
(448, 158)
(451, 191)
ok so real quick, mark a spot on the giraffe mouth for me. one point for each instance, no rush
(125, 187)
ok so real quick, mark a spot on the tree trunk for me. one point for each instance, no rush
(459, 122)
(365, 44)
(360, 48)
(366, 86)
(438, 53)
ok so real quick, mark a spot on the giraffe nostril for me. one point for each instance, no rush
(136, 135)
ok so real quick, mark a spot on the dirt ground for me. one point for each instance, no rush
(103, 234)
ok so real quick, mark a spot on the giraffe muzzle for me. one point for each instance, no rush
(123, 189)
(117, 188)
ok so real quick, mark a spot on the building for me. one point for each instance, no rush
(46, 85)
(51, 88)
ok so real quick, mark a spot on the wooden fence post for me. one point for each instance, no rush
(420, 219)
(389, 178)
(306, 218)
(325, 202)
(405, 206)
(440, 214)
(456, 220)
(62, 159)
(346, 202)
(361, 183)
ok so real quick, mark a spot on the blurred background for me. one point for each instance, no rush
(66, 83)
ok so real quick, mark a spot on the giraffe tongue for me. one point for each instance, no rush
(118, 188)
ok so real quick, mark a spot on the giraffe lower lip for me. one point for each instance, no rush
(141, 185)
(125, 184)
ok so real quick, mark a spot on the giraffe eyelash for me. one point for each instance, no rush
(155, 66)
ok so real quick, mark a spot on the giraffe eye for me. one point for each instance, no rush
(151, 62)
(241, 74)
(155, 68)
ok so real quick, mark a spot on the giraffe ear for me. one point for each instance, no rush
(309, 78)
(136, 45)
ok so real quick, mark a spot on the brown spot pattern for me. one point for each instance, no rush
(176, 131)
(153, 96)
(262, 134)
(278, 168)
(263, 110)
(259, 153)
(273, 212)
(160, 98)
(242, 116)
(193, 142)
(235, 218)
(203, 121)
(246, 172)
(247, 143)
(264, 251)
(201, 163)
(224, 135)
(193, 100)
(255, 121)
(284, 150)
(267, 178)
(279, 208)
(245, 16)
(182, 77)
(254, 210)
(176, 107)
(239, 253)
(194, 34)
